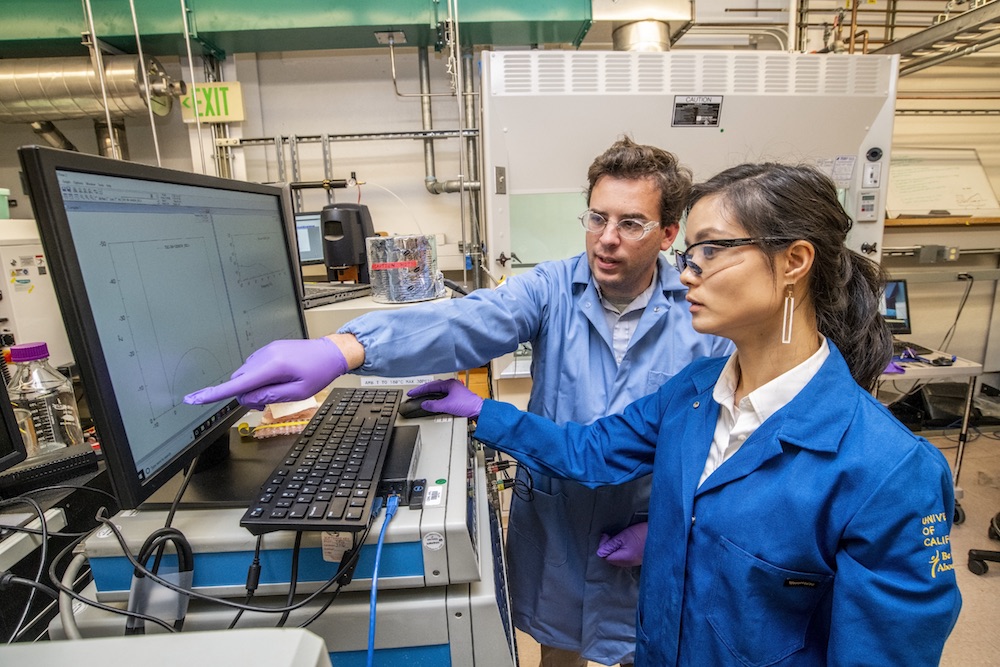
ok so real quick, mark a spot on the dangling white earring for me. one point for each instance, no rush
(786, 322)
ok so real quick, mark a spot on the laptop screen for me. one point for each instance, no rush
(895, 307)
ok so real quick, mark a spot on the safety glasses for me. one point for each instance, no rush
(713, 255)
(628, 228)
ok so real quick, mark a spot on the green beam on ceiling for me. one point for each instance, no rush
(37, 28)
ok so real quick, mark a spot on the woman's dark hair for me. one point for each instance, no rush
(800, 202)
(628, 160)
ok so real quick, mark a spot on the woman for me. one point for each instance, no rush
(793, 520)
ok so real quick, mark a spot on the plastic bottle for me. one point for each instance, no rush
(42, 390)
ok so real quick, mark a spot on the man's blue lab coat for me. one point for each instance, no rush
(823, 540)
(563, 594)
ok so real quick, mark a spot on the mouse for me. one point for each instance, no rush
(411, 408)
(942, 361)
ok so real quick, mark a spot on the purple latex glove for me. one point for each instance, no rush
(893, 367)
(285, 370)
(625, 548)
(459, 400)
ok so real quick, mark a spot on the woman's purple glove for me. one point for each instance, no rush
(625, 548)
(458, 400)
(285, 370)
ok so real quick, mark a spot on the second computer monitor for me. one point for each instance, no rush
(895, 307)
(309, 237)
(12, 448)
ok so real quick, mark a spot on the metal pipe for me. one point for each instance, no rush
(793, 9)
(433, 185)
(864, 42)
(99, 65)
(50, 89)
(854, 24)
(426, 118)
(111, 140)
(194, 87)
(53, 137)
(473, 160)
(326, 183)
(145, 83)
(641, 36)
(220, 131)
(361, 136)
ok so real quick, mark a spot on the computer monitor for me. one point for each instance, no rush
(895, 307)
(167, 281)
(12, 449)
(309, 236)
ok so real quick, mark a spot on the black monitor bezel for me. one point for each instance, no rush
(17, 451)
(40, 164)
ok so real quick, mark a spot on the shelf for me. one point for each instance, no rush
(943, 221)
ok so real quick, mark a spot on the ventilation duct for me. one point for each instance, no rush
(641, 36)
(48, 89)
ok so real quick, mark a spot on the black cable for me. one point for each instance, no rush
(346, 565)
(455, 287)
(57, 487)
(253, 579)
(917, 386)
(202, 596)
(41, 562)
(188, 474)
(157, 542)
(524, 490)
(293, 579)
(972, 435)
(946, 341)
(8, 578)
(94, 603)
(38, 531)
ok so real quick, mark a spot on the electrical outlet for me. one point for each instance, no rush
(872, 175)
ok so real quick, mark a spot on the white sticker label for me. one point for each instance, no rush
(434, 541)
(335, 545)
(434, 496)
(376, 381)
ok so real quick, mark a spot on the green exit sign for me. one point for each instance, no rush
(220, 102)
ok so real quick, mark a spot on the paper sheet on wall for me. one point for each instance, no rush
(939, 182)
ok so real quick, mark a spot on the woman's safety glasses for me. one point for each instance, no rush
(708, 257)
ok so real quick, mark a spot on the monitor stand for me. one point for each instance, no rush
(231, 480)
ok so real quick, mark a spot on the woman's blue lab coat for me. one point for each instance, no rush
(562, 593)
(823, 540)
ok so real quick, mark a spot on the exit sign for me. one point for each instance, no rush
(220, 102)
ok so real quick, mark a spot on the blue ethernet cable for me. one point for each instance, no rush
(390, 511)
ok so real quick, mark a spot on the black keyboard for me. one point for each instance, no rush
(900, 346)
(330, 477)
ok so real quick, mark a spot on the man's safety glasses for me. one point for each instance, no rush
(630, 229)
(713, 255)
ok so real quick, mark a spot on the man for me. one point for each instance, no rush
(605, 327)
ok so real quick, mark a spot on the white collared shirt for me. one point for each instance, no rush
(623, 325)
(738, 422)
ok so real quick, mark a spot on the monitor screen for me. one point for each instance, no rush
(167, 281)
(895, 307)
(12, 449)
(309, 236)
